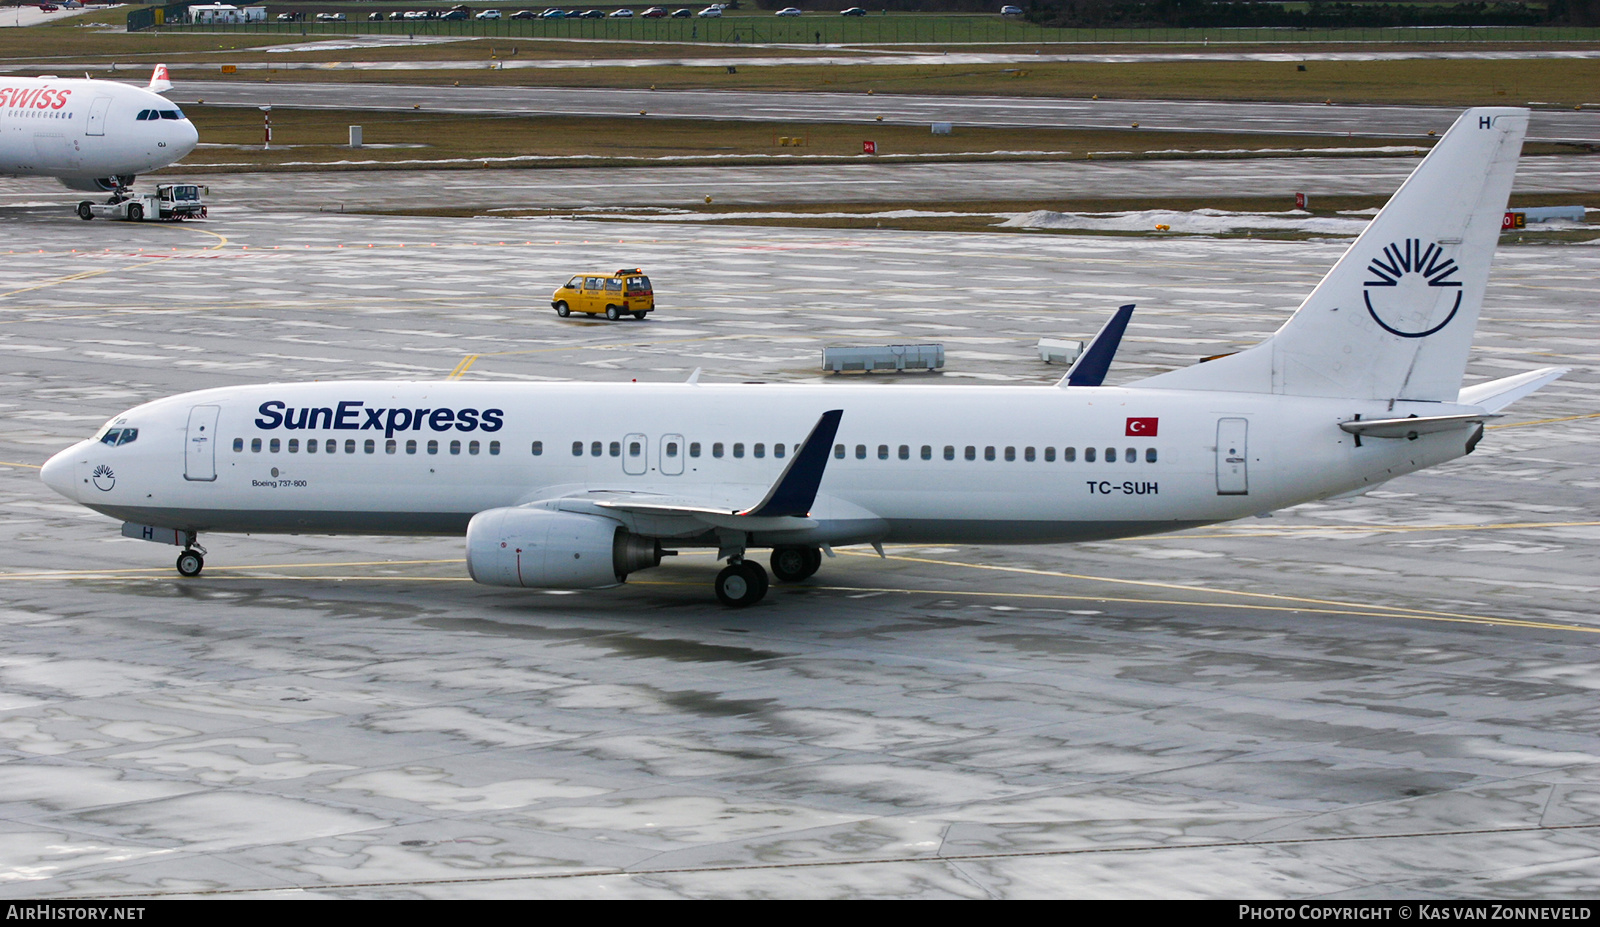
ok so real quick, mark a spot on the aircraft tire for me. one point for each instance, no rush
(190, 563)
(741, 584)
(562, 310)
(85, 211)
(613, 313)
(792, 564)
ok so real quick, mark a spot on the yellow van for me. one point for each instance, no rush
(626, 291)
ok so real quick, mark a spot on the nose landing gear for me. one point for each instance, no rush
(190, 563)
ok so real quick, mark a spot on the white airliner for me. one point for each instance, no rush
(90, 134)
(576, 485)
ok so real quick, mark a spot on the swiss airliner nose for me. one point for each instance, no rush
(181, 137)
(59, 474)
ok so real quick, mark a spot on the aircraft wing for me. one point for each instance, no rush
(785, 505)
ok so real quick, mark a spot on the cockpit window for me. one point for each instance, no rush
(171, 114)
(116, 437)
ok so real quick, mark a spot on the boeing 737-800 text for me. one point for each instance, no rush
(577, 485)
(90, 134)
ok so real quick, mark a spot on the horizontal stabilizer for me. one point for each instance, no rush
(1095, 361)
(1413, 426)
(1497, 394)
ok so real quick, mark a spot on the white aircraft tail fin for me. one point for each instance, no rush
(159, 81)
(1394, 318)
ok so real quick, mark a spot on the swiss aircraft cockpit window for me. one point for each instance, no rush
(117, 437)
(171, 114)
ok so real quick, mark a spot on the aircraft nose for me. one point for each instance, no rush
(185, 137)
(59, 473)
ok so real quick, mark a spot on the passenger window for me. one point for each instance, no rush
(294, 445)
(616, 449)
(716, 449)
(433, 447)
(738, 449)
(1111, 455)
(1011, 453)
(311, 446)
(273, 445)
(390, 446)
(370, 446)
(672, 448)
(411, 446)
(1150, 455)
(777, 451)
(577, 448)
(760, 450)
(592, 283)
(1027, 454)
(988, 452)
(861, 452)
(494, 448)
(905, 452)
(972, 453)
(1131, 455)
(1088, 454)
(238, 444)
(594, 449)
(332, 447)
(455, 447)
(883, 452)
(472, 447)
(634, 449)
(838, 451)
(255, 445)
(1049, 454)
(927, 452)
(949, 452)
(613, 285)
(694, 448)
(538, 448)
(1069, 454)
(349, 445)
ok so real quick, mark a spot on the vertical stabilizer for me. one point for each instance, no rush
(159, 81)
(1394, 318)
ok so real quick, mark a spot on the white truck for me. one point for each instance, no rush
(171, 202)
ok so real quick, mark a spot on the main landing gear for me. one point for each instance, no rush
(744, 582)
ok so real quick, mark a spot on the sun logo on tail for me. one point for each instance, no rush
(1407, 266)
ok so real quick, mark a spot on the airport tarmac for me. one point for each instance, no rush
(1386, 696)
(1548, 122)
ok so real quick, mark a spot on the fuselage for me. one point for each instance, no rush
(84, 130)
(910, 463)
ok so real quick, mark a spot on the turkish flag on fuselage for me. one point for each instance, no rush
(1142, 427)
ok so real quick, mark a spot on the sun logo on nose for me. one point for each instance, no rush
(1410, 271)
(104, 479)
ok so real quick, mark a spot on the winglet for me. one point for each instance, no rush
(694, 378)
(796, 489)
(1091, 367)
(159, 81)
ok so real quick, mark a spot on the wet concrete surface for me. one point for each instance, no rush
(1387, 696)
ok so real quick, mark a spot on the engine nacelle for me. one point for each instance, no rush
(97, 184)
(543, 549)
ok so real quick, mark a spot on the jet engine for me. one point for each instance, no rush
(97, 184)
(544, 549)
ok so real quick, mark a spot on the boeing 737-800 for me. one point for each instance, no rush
(577, 485)
(90, 134)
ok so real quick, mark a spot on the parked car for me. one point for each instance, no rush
(1011, 11)
(454, 14)
(330, 17)
(682, 14)
(553, 14)
(374, 17)
(488, 14)
(654, 12)
(588, 14)
(621, 14)
(789, 11)
(710, 12)
(524, 14)
(853, 11)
